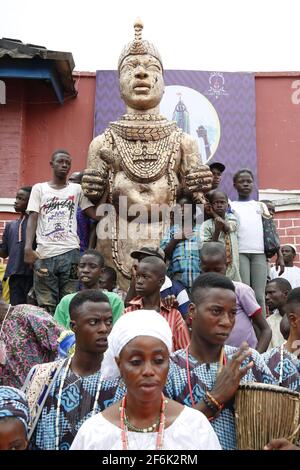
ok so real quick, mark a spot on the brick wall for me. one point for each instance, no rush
(288, 226)
(11, 139)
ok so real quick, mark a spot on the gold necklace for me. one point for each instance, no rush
(136, 429)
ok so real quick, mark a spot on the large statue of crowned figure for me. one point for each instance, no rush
(141, 161)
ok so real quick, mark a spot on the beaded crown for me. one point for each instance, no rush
(139, 45)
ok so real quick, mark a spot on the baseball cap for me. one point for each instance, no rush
(291, 245)
(217, 165)
(148, 251)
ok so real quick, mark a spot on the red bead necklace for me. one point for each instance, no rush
(161, 427)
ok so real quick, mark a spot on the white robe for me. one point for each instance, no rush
(191, 430)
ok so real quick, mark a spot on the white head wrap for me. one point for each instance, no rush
(128, 327)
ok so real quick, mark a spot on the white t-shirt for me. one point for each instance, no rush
(291, 274)
(250, 228)
(56, 231)
(191, 430)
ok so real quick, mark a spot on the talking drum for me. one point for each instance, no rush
(264, 412)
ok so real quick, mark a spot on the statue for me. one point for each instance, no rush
(142, 156)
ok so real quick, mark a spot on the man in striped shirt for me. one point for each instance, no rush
(150, 276)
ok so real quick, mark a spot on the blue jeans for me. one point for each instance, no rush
(54, 278)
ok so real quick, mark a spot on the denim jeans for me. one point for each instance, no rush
(54, 278)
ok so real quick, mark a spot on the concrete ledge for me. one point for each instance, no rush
(7, 204)
(283, 200)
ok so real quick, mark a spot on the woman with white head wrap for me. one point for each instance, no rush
(139, 347)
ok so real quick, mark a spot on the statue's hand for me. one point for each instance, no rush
(199, 179)
(94, 182)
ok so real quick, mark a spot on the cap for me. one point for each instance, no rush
(148, 251)
(291, 245)
(217, 165)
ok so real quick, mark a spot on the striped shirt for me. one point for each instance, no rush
(177, 289)
(180, 332)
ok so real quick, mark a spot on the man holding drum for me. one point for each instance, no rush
(207, 374)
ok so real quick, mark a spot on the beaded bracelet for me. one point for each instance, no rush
(210, 404)
(218, 405)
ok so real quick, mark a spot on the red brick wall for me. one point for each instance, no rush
(11, 125)
(288, 226)
(33, 125)
(277, 131)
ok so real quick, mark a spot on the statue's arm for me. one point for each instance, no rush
(194, 175)
(95, 147)
(95, 177)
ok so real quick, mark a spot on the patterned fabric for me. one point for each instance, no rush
(180, 332)
(229, 240)
(13, 403)
(290, 367)
(77, 403)
(66, 344)
(203, 377)
(30, 335)
(185, 259)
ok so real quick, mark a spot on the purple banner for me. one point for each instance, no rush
(217, 109)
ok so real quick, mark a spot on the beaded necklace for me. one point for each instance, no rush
(143, 430)
(223, 361)
(59, 401)
(124, 427)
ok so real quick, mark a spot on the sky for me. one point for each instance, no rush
(209, 35)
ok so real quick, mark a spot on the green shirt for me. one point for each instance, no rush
(62, 315)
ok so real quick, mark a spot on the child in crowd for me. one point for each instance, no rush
(181, 243)
(90, 269)
(108, 281)
(223, 227)
(150, 276)
(253, 262)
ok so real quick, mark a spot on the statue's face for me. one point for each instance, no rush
(141, 81)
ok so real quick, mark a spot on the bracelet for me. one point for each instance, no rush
(218, 405)
(212, 407)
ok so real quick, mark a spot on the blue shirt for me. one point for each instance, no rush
(13, 244)
(185, 259)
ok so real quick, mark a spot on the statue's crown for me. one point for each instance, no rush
(139, 45)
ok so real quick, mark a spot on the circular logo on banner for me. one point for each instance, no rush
(195, 115)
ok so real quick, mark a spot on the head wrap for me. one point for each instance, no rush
(128, 327)
(139, 46)
(13, 403)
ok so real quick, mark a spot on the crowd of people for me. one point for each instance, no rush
(86, 365)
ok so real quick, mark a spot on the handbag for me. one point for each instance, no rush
(271, 237)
